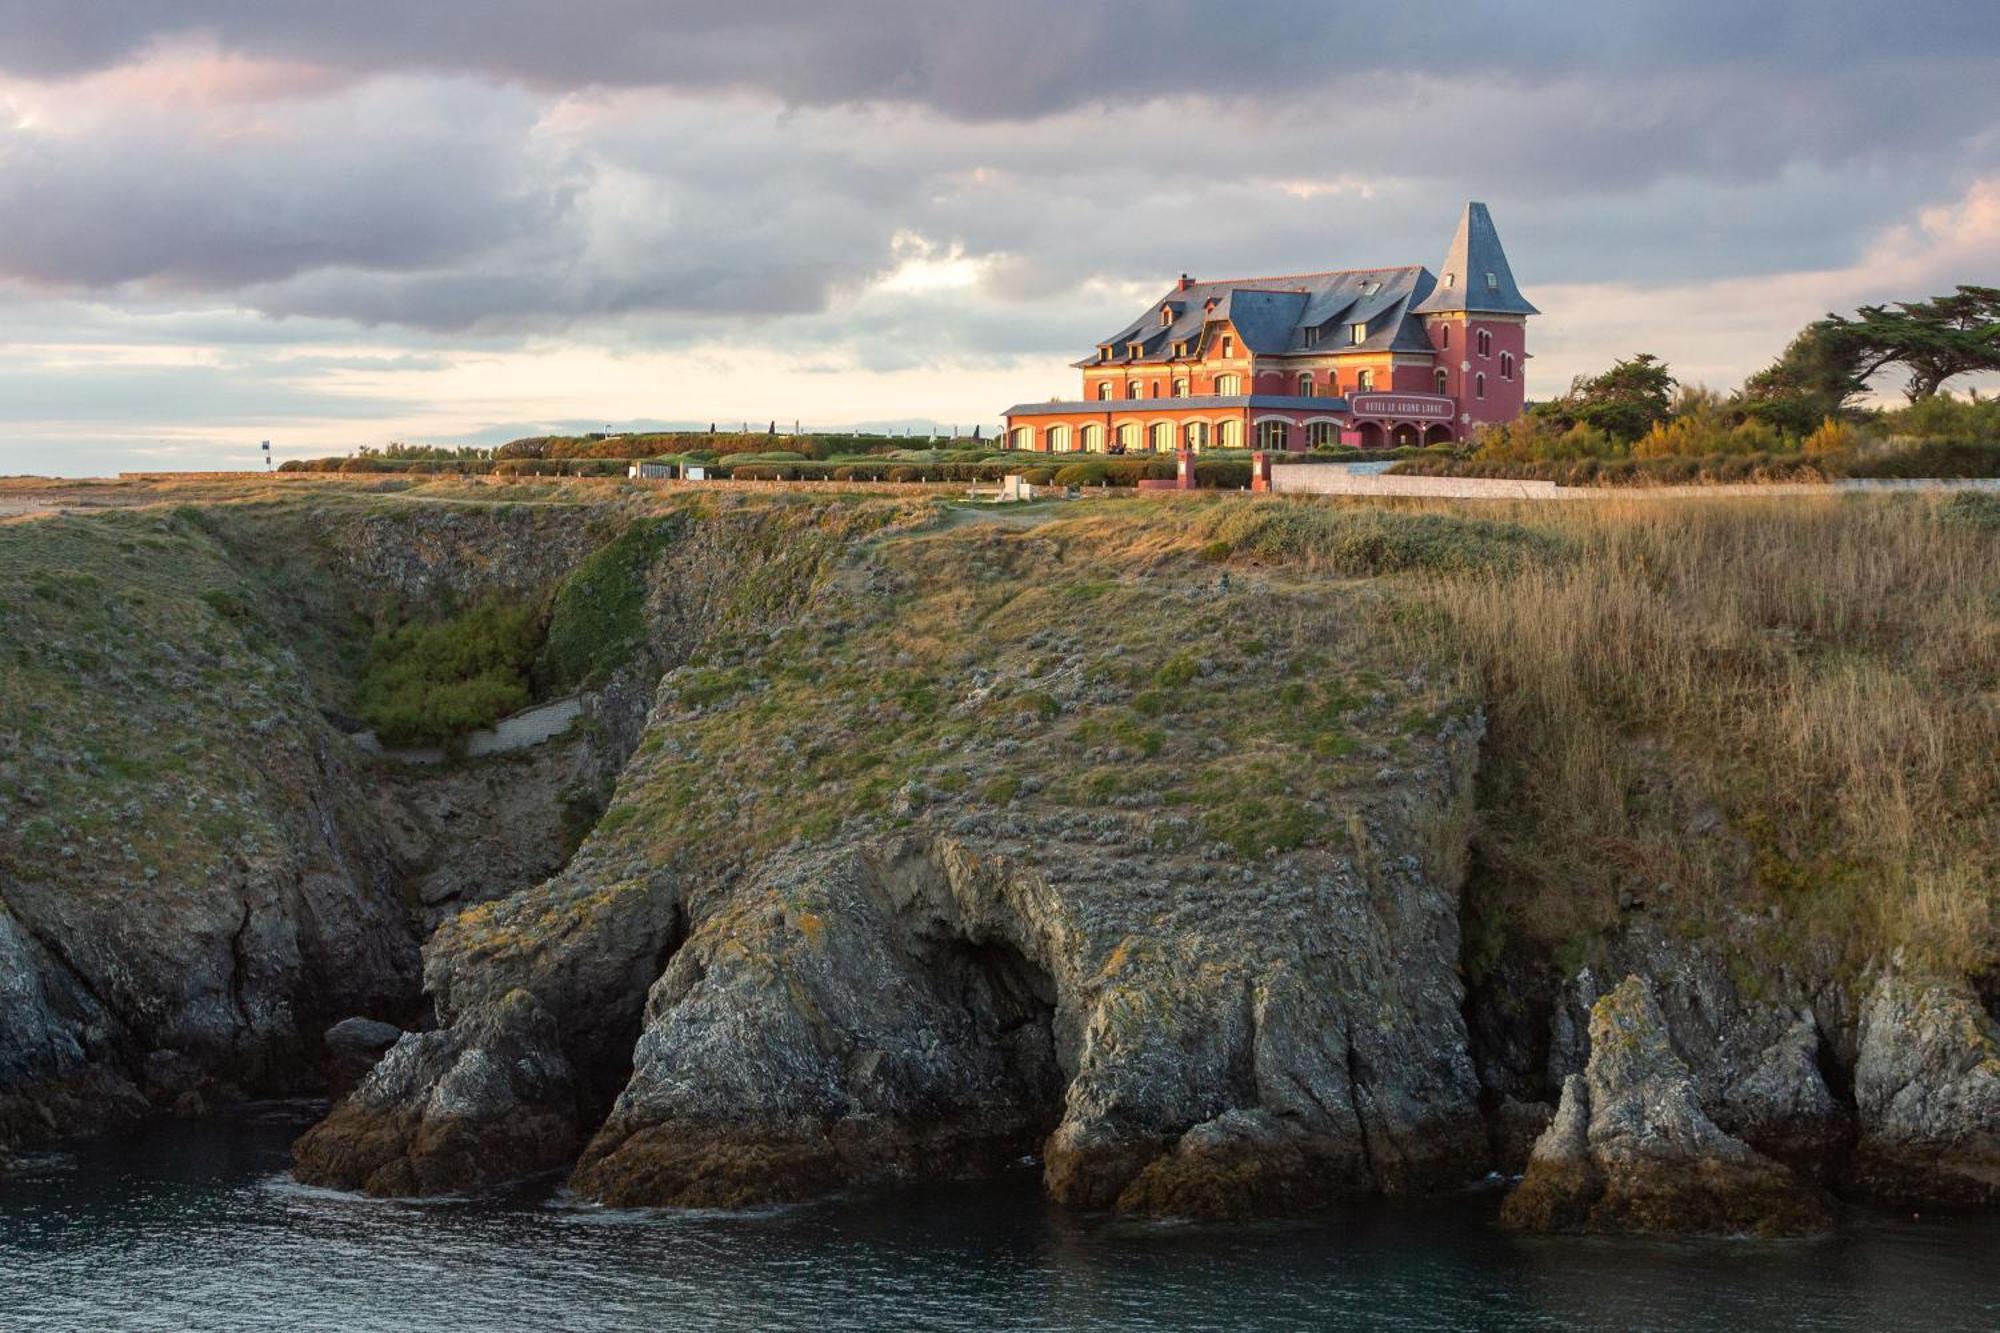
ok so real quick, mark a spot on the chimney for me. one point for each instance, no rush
(1186, 282)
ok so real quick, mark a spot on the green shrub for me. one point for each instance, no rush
(430, 682)
(1001, 790)
(1977, 510)
(906, 473)
(597, 620)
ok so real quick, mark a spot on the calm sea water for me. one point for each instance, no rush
(196, 1226)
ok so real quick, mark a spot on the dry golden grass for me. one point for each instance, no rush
(1812, 685)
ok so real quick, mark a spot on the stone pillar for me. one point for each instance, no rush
(1184, 475)
(1260, 471)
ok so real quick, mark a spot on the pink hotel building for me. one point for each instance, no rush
(1370, 357)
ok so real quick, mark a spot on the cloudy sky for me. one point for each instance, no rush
(334, 224)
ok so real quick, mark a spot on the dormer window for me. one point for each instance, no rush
(1166, 315)
(1449, 279)
(1370, 288)
(1138, 350)
(1493, 282)
(1104, 352)
(1357, 334)
(1312, 337)
(1228, 345)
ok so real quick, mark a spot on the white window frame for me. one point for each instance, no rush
(1357, 334)
(1364, 381)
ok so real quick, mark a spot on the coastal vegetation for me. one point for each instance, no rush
(431, 681)
(1338, 789)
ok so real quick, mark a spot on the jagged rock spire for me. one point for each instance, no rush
(1475, 276)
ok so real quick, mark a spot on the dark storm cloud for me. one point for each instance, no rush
(1015, 58)
(391, 176)
(441, 181)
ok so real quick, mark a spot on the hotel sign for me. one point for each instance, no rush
(1420, 405)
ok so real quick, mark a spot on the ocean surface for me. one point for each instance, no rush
(195, 1225)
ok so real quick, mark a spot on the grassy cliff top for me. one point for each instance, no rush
(1769, 719)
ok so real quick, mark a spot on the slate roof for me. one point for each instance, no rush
(1274, 315)
(1476, 276)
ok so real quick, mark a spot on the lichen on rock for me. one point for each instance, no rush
(1631, 1150)
(1927, 1087)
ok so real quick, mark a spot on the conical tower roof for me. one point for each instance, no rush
(1475, 277)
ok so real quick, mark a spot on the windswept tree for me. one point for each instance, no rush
(1623, 402)
(1815, 379)
(1933, 340)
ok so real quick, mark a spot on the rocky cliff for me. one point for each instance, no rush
(1156, 846)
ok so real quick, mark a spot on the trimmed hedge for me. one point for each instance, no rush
(1930, 458)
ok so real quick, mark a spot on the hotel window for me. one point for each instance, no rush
(1090, 439)
(1364, 381)
(1128, 437)
(1166, 315)
(1306, 385)
(1493, 282)
(1196, 435)
(1478, 386)
(1059, 439)
(1449, 279)
(1273, 435)
(1104, 391)
(1228, 345)
(1506, 365)
(1228, 385)
(1180, 389)
(1322, 435)
(1444, 335)
(1161, 436)
(1156, 388)
(1485, 343)
(1230, 435)
(1443, 382)
(1311, 337)
(1357, 335)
